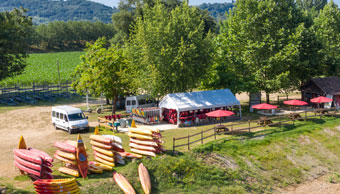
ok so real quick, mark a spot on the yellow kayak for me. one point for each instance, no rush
(142, 147)
(67, 155)
(104, 161)
(143, 152)
(142, 131)
(54, 181)
(69, 171)
(95, 169)
(139, 136)
(105, 157)
(101, 145)
(100, 165)
(103, 151)
(73, 162)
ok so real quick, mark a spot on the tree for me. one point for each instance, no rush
(103, 71)
(14, 34)
(260, 43)
(169, 51)
(316, 5)
(327, 29)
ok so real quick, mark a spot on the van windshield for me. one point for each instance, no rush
(75, 117)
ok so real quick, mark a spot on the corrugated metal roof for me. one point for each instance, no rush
(199, 100)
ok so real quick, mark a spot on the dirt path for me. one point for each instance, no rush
(35, 125)
(317, 186)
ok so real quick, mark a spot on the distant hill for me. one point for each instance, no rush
(44, 11)
(217, 10)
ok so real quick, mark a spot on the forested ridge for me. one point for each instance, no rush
(44, 11)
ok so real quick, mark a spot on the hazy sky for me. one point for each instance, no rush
(191, 2)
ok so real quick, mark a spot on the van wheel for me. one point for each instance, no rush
(55, 126)
(69, 131)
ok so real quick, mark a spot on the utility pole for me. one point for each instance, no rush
(58, 67)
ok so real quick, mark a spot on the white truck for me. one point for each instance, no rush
(141, 101)
(69, 119)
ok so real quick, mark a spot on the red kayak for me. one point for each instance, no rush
(43, 155)
(28, 155)
(27, 164)
(27, 170)
(65, 147)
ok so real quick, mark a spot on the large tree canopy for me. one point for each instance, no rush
(15, 29)
(170, 51)
(262, 46)
(103, 71)
(327, 29)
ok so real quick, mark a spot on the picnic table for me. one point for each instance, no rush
(321, 111)
(221, 128)
(264, 121)
(294, 116)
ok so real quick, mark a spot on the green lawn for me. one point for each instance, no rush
(42, 68)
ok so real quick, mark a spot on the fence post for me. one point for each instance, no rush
(265, 121)
(215, 133)
(249, 125)
(287, 96)
(173, 144)
(232, 127)
(320, 113)
(280, 121)
(202, 136)
(305, 115)
(278, 100)
(188, 142)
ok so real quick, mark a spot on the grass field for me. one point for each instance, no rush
(42, 68)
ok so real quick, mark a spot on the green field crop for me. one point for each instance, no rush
(42, 68)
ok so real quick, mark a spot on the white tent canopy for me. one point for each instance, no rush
(199, 100)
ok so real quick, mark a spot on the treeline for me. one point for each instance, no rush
(71, 35)
(44, 11)
(270, 46)
(217, 10)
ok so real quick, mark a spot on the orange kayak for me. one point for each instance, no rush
(123, 183)
(144, 178)
(81, 157)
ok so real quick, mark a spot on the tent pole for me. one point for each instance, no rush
(178, 118)
(239, 107)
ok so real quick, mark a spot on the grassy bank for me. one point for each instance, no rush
(258, 162)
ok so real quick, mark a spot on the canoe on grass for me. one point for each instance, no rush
(43, 155)
(73, 162)
(103, 151)
(67, 155)
(101, 139)
(123, 183)
(103, 156)
(27, 164)
(101, 145)
(144, 178)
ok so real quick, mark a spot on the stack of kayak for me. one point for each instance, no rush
(105, 148)
(145, 141)
(73, 155)
(35, 163)
(56, 186)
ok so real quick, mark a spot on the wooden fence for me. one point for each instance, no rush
(247, 126)
(34, 88)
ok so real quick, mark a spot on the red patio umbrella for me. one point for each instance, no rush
(321, 99)
(295, 102)
(220, 113)
(264, 106)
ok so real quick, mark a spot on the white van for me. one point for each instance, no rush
(141, 101)
(70, 119)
